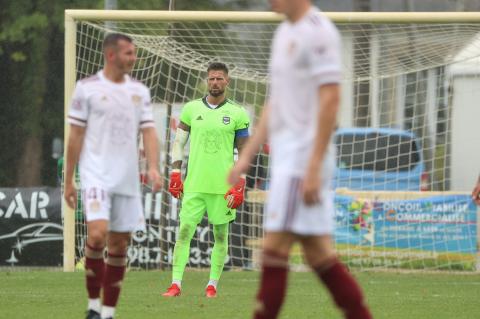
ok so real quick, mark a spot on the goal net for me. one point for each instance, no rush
(407, 152)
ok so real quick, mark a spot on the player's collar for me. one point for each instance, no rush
(102, 76)
(204, 100)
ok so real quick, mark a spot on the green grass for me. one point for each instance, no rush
(43, 294)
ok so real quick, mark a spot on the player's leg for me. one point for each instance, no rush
(273, 282)
(279, 215)
(96, 205)
(220, 216)
(94, 264)
(217, 259)
(117, 245)
(193, 209)
(181, 251)
(347, 294)
(126, 216)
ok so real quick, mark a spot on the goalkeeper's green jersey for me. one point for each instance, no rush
(212, 142)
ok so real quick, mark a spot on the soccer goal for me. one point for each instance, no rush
(407, 148)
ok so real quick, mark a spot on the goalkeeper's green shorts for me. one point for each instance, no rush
(194, 206)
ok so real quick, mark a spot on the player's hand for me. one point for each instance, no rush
(70, 195)
(311, 188)
(235, 174)
(476, 194)
(155, 179)
(176, 185)
(234, 196)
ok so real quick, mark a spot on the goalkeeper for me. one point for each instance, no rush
(215, 126)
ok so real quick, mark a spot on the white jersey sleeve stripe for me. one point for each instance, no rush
(145, 124)
(327, 78)
(77, 121)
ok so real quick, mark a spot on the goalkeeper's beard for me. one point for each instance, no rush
(216, 93)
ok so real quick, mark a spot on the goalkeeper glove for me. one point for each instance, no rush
(234, 196)
(176, 185)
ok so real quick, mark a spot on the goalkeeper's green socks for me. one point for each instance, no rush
(181, 252)
(219, 252)
(213, 282)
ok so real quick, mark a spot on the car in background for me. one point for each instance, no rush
(379, 159)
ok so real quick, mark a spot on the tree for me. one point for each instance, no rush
(31, 56)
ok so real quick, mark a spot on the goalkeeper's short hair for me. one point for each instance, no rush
(217, 66)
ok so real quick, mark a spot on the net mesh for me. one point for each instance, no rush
(402, 171)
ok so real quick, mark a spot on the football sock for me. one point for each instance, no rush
(94, 272)
(112, 283)
(177, 282)
(181, 251)
(95, 304)
(107, 312)
(219, 251)
(273, 284)
(213, 282)
(344, 289)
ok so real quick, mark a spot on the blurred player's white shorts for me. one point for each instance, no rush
(124, 213)
(286, 210)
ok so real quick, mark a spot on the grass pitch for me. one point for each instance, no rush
(44, 294)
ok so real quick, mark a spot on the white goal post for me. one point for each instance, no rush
(410, 84)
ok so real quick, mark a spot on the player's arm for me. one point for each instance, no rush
(181, 137)
(476, 192)
(240, 143)
(74, 147)
(250, 148)
(151, 145)
(329, 100)
(235, 194)
(324, 54)
(78, 118)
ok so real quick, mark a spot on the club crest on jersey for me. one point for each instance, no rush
(94, 206)
(136, 100)
(77, 105)
(226, 120)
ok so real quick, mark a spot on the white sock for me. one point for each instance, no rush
(177, 282)
(108, 312)
(212, 282)
(94, 304)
